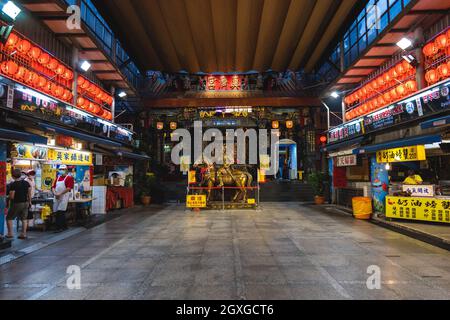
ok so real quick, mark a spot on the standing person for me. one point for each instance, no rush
(31, 175)
(20, 200)
(61, 188)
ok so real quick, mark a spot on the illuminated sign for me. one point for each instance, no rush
(70, 157)
(28, 152)
(412, 153)
(413, 208)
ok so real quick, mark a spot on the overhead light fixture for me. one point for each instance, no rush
(122, 94)
(11, 10)
(85, 66)
(334, 94)
(404, 43)
(388, 166)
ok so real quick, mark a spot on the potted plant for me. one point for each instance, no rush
(146, 188)
(317, 181)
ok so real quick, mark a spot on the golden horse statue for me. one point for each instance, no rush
(227, 176)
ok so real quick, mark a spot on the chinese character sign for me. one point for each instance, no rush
(419, 190)
(412, 153)
(424, 209)
(346, 161)
(196, 201)
(70, 157)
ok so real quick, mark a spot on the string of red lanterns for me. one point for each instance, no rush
(434, 51)
(33, 79)
(382, 91)
(94, 91)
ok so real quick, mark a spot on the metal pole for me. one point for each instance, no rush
(223, 198)
(328, 114)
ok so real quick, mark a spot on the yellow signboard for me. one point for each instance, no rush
(70, 157)
(412, 153)
(25, 151)
(196, 201)
(251, 201)
(424, 209)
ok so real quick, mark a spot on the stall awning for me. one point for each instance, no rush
(21, 136)
(131, 155)
(340, 145)
(437, 122)
(399, 143)
(79, 135)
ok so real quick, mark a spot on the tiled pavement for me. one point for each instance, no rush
(284, 251)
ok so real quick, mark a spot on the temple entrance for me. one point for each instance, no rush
(288, 167)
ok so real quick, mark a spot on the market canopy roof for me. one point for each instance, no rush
(226, 36)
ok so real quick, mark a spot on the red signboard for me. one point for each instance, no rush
(224, 83)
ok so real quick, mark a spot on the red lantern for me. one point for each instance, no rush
(60, 70)
(85, 85)
(431, 76)
(13, 39)
(110, 100)
(381, 101)
(430, 49)
(59, 91)
(443, 71)
(411, 86)
(365, 108)
(100, 112)
(34, 53)
(387, 97)
(96, 108)
(380, 81)
(31, 78)
(53, 64)
(21, 73)
(85, 105)
(41, 82)
(68, 75)
(348, 116)
(91, 87)
(441, 41)
(80, 81)
(387, 77)
(406, 65)
(393, 94)
(401, 90)
(91, 107)
(80, 101)
(400, 69)
(65, 95)
(374, 84)
(23, 46)
(44, 58)
(393, 73)
(11, 68)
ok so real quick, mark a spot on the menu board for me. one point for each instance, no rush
(411, 153)
(424, 209)
(422, 104)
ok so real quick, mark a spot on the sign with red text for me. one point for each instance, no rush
(347, 161)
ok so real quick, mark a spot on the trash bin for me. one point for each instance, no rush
(362, 208)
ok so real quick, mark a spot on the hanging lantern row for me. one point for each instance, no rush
(94, 90)
(32, 79)
(382, 83)
(383, 100)
(440, 73)
(35, 53)
(441, 42)
(93, 108)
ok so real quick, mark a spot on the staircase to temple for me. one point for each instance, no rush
(286, 191)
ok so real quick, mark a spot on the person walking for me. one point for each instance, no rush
(61, 190)
(20, 201)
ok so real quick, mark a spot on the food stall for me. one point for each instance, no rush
(426, 200)
(45, 161)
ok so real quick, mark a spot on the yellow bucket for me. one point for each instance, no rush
(362, 208)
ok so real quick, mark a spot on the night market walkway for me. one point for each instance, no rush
(284, 251)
